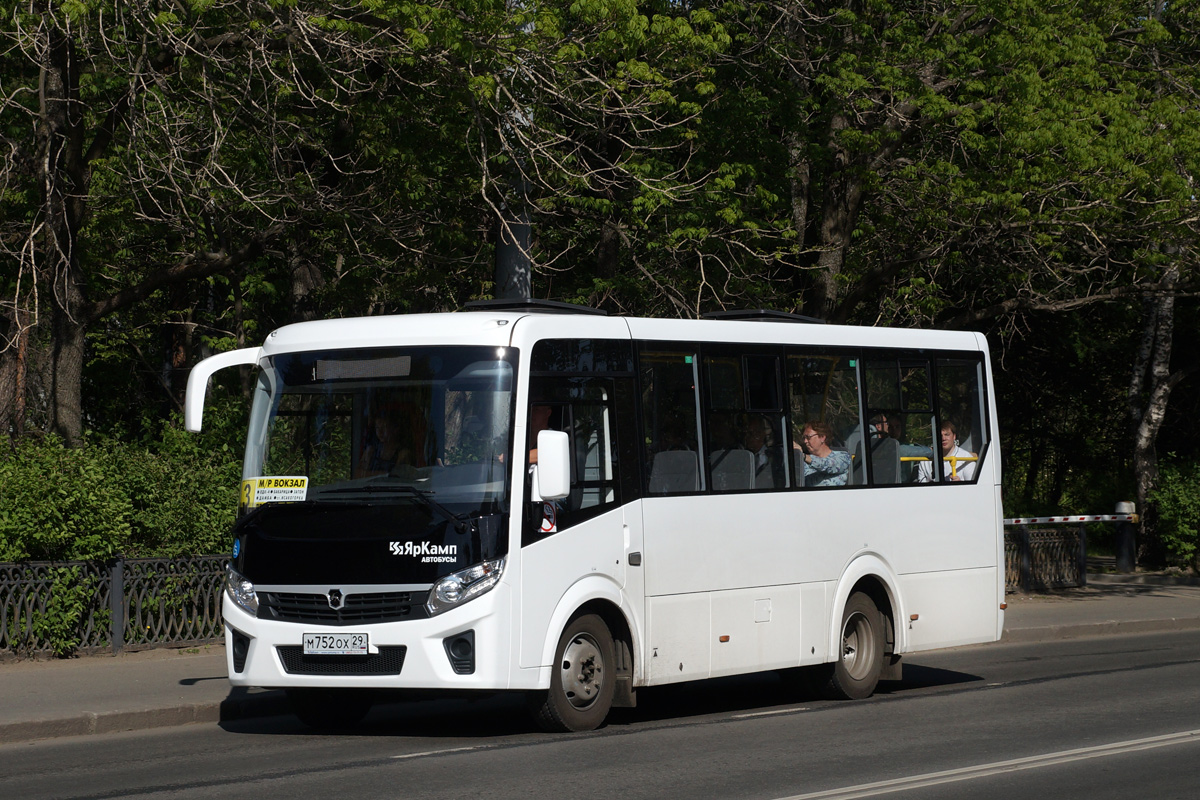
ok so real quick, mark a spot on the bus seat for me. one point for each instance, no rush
(854, 441)
(674, 471)
(885, 461)
(732, 470)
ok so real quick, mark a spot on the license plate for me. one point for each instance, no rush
(335, 644)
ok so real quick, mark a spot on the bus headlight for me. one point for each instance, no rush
(464, 585)
(241, 591)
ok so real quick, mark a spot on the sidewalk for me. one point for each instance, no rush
(1110, 603)
(160, 688)
(132, 691)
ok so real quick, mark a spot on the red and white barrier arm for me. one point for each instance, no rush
(1079, 518)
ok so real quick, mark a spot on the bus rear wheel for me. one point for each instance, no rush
(860, 660)
(582, 680)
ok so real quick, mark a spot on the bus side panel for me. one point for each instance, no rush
(940, 527)
(1001, 577)
(552, 566)
(678, 628)
(755, 629)
(746, 566)
(952, 608)
(735, 541)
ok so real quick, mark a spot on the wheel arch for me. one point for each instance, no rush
(603, 599)
(870, 575)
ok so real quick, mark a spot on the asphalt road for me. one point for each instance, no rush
(1111, 717)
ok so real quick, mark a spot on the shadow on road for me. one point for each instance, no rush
(486, 716)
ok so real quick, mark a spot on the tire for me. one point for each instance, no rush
(330, 709)
(582, 680)
(860, 663)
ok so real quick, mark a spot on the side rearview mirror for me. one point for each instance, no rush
(197, 385)
(553, 473)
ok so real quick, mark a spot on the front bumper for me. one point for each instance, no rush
(257, 650)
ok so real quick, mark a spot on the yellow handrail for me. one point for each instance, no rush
(952, 459)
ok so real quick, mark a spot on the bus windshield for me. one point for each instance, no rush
(429, 425)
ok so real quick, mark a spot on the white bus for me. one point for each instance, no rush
(397, 534)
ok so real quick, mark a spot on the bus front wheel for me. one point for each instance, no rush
(582, 680)
(859, 665)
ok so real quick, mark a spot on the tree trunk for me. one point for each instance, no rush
(306, 279)
(1149, 392)
(843, 194)
(838, 216)
(608, 252)
(1033, 468)
(14, 369)
(66, 362)
(60, 141)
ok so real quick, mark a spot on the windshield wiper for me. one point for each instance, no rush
(425, 497)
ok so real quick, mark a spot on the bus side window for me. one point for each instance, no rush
(961, 405)
(576, 380)
(823, 387)
(747, 444)
(902, 435)
(670, 423)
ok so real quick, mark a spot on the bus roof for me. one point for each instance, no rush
(496, 328)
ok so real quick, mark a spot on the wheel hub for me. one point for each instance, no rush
(582, 671)
(856, 636)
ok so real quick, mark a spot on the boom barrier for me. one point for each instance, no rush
(1050, 552)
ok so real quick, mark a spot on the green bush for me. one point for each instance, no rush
(1176, 499)
(71, 597)
(58, 503)
(175, 496)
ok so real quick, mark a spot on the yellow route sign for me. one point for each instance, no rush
(275, 489)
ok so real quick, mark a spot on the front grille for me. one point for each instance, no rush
(388, 661)
(357, 609)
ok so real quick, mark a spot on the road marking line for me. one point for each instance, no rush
(440, 752)
(769, 713)
(997, 768)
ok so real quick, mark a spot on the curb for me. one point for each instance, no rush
(1053, 633)
(1118, 578)
(87, 723)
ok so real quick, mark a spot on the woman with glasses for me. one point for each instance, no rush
(823, 466)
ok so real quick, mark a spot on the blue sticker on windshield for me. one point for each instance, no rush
(237, 547)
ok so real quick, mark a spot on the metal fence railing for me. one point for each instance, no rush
(140, 603)
(85, 606)
(1049, 552)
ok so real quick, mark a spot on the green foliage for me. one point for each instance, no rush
(1177, 502)
(58, 503)
(71, 596)
(922, 164)
(175, 497)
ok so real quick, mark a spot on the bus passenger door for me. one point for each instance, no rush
(633, 580)
(576, 546)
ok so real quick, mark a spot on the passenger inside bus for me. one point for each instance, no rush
(393, 432)
(957, 463)
(384, 446)
(900, 457)
(823, 466)
(758, 438)
(539, 420)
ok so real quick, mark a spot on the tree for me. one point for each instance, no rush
(340, 149)
(167, 146)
